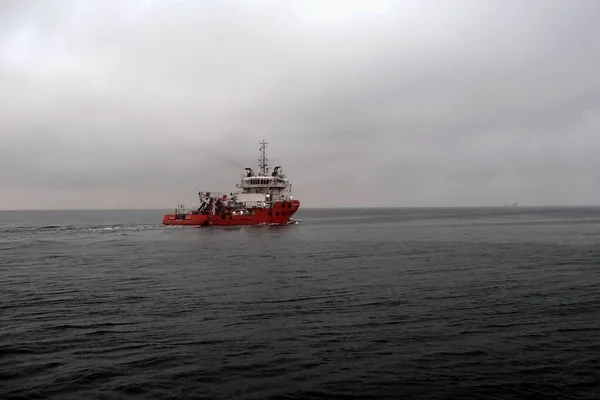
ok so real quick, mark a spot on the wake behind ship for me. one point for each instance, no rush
(261, 198)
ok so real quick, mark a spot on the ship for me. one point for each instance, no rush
(261, 198)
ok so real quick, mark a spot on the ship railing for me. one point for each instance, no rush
(260, 185)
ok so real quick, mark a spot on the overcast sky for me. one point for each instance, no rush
(140, 104)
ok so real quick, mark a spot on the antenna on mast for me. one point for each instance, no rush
(262, 161)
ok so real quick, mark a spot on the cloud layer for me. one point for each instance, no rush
(373, 103)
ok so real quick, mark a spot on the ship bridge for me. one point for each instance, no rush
(264, 182)
(264, 187)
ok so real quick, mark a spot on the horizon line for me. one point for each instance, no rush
(315, 208)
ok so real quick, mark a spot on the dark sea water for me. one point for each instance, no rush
(354, 304)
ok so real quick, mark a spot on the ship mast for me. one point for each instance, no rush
(262, 161)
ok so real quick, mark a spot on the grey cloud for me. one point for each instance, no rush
(402, 103)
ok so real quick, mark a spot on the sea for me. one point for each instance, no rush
(407, 303)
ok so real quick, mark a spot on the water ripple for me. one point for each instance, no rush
(384, 304)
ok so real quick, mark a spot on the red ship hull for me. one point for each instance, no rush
(280, 213)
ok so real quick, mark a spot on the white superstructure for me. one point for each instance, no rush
(263, 188)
